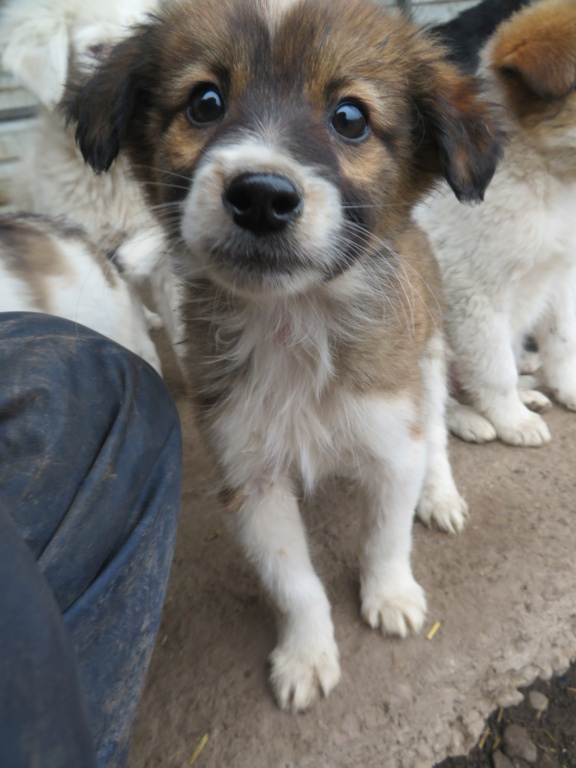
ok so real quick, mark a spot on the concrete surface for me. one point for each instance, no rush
(504, 593)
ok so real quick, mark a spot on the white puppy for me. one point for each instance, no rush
(508, 265)
(43, 42)
(48, 266)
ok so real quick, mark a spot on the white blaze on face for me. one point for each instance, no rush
(275, 10)
(207, 226)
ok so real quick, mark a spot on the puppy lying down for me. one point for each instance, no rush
(42, 42)
(509, 265)
(49, 266)
(283, 146)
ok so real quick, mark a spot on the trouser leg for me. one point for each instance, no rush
(90, 462)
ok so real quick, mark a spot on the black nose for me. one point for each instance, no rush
(262, 202)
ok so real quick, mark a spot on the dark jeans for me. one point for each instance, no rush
(90, 468)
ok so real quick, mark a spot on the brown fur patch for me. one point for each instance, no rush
(29, 249)
(534, 53)
(386, 359)
(32, 256)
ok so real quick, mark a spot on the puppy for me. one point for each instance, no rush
(466, 34)
(508, 265)
(283, 146)
(49, 266)
(43, 42)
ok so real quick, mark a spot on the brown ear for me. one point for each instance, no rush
(102, 108)
(538, 46)
(459, 137)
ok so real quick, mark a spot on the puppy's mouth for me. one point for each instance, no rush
(261, 229)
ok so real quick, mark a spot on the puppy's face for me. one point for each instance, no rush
(280, 142)
(533, 59)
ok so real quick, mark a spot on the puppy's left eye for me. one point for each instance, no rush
(206, 105)
(350, 121)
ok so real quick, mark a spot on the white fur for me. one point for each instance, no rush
(39, 38)
(291, 417)
(76, 287)
(508, 268)
(289, 414)
(282, 421)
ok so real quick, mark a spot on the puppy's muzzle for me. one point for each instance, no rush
(262, 202)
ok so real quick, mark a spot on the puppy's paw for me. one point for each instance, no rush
(153, 320)
(398, 609)
(446, 511)
(467, 424)
(535, 401)
(300, 675)
(530, 432)
(565, 397)
(529, 362)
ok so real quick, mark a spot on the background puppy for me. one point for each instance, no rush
(48, 266)
(466, 34)
(508, 265)
(45, 41)
(283, 147)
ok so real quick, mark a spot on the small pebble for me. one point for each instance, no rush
(537, 700)
(517, 743)
(499, 760)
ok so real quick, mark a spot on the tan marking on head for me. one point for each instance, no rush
(534, 52)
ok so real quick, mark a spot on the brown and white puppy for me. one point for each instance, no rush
(509, 265)
(48, 265)
(283, 146)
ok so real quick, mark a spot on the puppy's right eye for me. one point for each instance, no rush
(206, 105)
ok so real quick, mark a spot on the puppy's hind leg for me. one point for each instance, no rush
(305, 663)
(440, 504)
(392, 474)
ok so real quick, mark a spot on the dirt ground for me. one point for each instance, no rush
(504, 592)
(549, 723)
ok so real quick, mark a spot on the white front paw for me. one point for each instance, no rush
(444, 510)
(528, 363)
(398, 607)
(535, 401)
(566, 397)
(467, 424)
(153, 319)
(530, 431)
(300, 674)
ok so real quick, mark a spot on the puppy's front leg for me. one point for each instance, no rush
(391, 597)
(440, 503)
(556, 336)
(482, 339)
(305, 662)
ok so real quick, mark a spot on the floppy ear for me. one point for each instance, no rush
(456, 134)
(103, 106)
(36, 47)
(538, 47)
